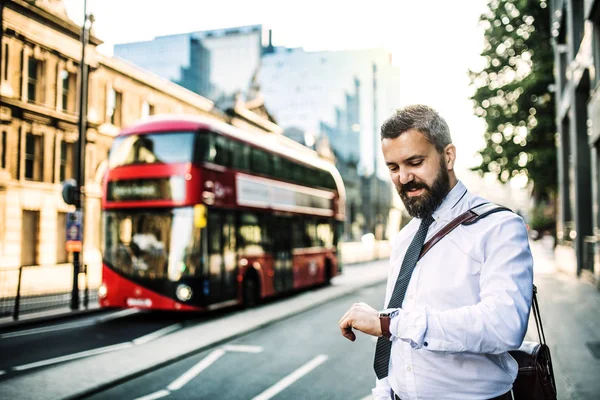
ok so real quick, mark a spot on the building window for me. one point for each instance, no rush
(3, 150)
(35, 81)
(147, 109)
(596, 47)
(30, 234)
(113, 107)
(34, 157)
(66, 157)
(65, 78)
(62, 256)
(5, 62)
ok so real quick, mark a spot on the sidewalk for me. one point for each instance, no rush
(74, 379)
(570, 310)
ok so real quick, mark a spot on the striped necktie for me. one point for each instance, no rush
(384, 345)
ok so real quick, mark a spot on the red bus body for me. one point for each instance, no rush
(220, 228)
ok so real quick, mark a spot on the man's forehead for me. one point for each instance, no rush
(408, 144)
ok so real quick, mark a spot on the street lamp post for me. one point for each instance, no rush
(79, 154)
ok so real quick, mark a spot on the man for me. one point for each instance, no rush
(453, 315)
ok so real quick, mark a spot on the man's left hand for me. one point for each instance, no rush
(362, 317)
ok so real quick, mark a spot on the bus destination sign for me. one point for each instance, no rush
(141, 189)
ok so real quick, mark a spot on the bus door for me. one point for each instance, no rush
(282, 249)
(222, 263)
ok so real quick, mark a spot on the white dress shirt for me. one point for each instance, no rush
(466, 305)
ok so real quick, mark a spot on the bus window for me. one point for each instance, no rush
(240, 155)
(310, 232)
(260, 161)
(202, 147)
(287, 168)
(222, 151)
(325, 233)
(170, 147)
(277, 166)
(299, 239)
(250, 235)
(298, 173)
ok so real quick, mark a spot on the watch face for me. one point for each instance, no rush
(388, 312)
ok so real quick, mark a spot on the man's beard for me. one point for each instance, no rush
(425, 205)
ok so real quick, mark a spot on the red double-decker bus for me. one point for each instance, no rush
(198, 214)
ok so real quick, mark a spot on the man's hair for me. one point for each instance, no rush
(422, 118)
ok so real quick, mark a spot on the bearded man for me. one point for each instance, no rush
(450, 317)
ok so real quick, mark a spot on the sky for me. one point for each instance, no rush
(434, 42)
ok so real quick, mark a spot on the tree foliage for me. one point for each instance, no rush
(512, 94)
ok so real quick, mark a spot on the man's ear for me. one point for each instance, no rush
(450, 156)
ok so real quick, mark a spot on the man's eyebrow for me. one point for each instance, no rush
(414, 158)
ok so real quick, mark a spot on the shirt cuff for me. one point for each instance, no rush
(410, 327)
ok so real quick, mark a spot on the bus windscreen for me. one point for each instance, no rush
(158, 148)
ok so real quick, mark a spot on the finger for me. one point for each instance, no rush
(348, 334)
(346, 329)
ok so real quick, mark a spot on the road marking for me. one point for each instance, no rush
(70, 325)
(46, 329)
(75, 356)
(291, 378)
(195, 370)
(155, 335)
(119, 314)
(243, 348)
(155, 395)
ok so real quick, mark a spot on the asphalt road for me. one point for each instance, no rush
(44, 345)
(302, 357)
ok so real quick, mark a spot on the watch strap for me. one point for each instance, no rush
(385, 326)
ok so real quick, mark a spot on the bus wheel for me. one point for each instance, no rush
(251, 290)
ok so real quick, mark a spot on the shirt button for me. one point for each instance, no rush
(409, 368)
(425, 344)
(411, 297)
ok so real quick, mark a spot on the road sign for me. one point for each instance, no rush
(74, 231)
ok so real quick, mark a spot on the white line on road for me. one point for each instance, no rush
(47, 329)
(119, 314)
(70, 325)
(155, 335)
(155, 395)
(291, 378)
(196, 369)
(243, 348)
(75, 356)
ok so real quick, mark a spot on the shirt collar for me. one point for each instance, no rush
(453, 197)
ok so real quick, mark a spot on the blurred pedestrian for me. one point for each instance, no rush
(450, 318)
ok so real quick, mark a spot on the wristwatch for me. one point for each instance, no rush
(385, 316)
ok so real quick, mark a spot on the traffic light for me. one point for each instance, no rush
(70, 191)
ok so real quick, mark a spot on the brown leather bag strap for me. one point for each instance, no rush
(469, 217)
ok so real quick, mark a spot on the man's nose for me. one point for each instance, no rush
(404, 176)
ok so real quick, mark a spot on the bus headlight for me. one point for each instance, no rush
(183, 292)
(102, 291)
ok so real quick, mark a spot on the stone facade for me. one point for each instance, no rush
(41, 51)
(576, 42)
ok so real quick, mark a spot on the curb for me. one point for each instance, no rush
(127, 377)
(34, 319)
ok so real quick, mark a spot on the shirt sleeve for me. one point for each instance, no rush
(382, 390)
(497, 323)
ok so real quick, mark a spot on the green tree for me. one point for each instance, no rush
(512, 93)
